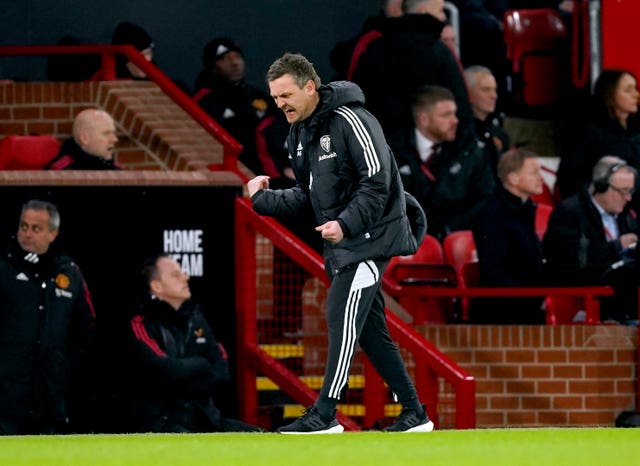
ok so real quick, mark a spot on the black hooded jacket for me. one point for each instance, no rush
(346, 172)
(409, 55)
(177, 365)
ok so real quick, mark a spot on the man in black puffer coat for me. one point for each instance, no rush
(345, 174)
(92, 145)
(408, 56)
(46, 329)
(178, 364)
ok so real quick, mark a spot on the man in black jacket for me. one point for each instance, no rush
(591, 238)
(509, 250)
(449, 177)
(46, 329)
(345, 172)
(223, 92)
(91, 146)
(409, 55)
(177, 362)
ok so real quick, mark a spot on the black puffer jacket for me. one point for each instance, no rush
(72, 157)
(463, 180)
(346, 172)
(46, 333)
(177, 365)
(410, 55)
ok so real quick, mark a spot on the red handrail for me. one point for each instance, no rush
(108, 52)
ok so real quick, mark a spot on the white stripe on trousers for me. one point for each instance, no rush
(349, 334)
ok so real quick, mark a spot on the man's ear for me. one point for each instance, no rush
(310, 87)
(512, 178)
(155, 287)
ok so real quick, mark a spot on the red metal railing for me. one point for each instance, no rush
(589, 293)
(429, 362)
(108, 53)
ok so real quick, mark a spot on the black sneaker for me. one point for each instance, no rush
(311, 423)
(410, 421)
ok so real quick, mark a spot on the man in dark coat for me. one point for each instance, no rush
(223, 92)
(91, 146)
(409, 55)
(509, 250)
(449, 177)
(46, 330)
(345, 174)
(591, 238)
(177, 361)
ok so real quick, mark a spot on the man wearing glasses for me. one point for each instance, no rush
(591, 238)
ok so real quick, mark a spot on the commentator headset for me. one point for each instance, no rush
(602, 184)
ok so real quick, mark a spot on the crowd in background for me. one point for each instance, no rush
(443, 121)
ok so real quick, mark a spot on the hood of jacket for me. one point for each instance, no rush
(336, 94)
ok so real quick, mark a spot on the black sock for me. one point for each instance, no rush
(413, 404)
(326, 407)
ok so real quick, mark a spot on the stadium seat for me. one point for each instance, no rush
(425, 268)
(537, 43)
(27, 152)
(459, 248)
(567, 310)
(543, 212)
(460, 252)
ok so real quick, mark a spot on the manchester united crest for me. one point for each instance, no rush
(62, 281)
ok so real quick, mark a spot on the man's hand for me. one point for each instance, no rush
(331, 231)
(628, 239)
(256, 184)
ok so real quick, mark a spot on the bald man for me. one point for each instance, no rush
(92, 145)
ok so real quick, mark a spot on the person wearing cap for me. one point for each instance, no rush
(222, 91)
(127, 33)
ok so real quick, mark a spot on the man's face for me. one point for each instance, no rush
(296, 103)
(483, 95)
(171, 284)
(621, 187)
(34, 234)
(448, 36)
(528, 180)
(134, 70)
(99, 138)
(440, 122)
(230, 66)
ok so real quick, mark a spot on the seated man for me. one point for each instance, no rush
(91, 146)
(483, 95)
(177, 362)
(509, 250)
(450, 178)
(591, 238)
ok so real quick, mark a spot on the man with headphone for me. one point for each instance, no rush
(591, 238)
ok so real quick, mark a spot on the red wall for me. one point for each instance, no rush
(620, 34)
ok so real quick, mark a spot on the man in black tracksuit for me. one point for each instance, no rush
(46, 329)
(346, 173)
(92, 145)
(176, 359)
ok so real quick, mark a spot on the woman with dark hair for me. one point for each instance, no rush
(613, 128)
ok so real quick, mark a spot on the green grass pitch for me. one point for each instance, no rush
(602, 447)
